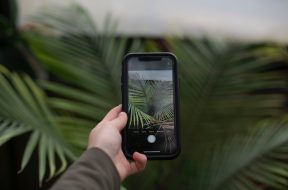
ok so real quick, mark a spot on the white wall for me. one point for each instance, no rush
(244, 19)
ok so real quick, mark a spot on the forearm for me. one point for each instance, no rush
(94, 170)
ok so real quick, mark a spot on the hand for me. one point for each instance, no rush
(106, 136)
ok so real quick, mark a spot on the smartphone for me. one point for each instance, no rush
(150, 99)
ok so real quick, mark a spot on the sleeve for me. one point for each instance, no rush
(94, 170)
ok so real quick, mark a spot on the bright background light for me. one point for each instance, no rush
(241, 20)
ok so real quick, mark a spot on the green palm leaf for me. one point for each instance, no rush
(90, 64)
(166, 113)
(24, 109)
(141, 94)
(252, 159)
(222, 88)
(138, 118)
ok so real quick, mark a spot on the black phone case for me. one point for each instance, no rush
(124, 89)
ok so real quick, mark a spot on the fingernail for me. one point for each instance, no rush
(122, 114)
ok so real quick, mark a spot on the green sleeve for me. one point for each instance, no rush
(94, 170)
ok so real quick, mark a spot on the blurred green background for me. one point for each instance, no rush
(59, 75)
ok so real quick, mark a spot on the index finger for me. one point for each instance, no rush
(112, 114)
(119, 122)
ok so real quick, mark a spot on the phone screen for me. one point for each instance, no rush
(151, 128)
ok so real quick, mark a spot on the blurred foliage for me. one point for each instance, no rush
(233, 117)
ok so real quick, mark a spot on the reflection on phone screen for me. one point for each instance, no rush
(151, 106)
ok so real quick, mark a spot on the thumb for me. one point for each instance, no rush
(139, 163)
(120, 121)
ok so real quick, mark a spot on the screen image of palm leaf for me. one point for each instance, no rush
(144, 94)
(225, 119)
(140, 92)
(166, 113)
(163, 101)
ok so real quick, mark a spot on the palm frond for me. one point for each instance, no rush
(219, 85)
(24, 109)
(258, 157)
(88, 62)
(141, 94)
(165, 113)
(137, 97)
(219, 90)
(138, 118)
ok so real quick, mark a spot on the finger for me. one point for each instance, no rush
(120, 121)
(139, 163)
(112, 114)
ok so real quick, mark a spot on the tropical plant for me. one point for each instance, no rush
(151, 108)
(140, 93)
(144, 94)
(24, 109)
(232, 114)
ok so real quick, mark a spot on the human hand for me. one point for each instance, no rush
(106, 136)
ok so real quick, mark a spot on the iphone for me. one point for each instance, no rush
(150, 99)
